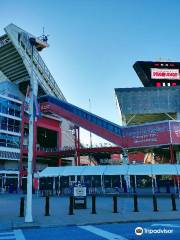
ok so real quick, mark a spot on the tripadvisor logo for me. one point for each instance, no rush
(139, 231)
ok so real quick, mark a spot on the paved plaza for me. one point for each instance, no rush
(59, 211)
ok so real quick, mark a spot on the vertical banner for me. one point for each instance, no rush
(175, 132)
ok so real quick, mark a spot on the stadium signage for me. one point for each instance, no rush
(170, 74)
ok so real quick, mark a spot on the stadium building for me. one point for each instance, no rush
(51, 133)
(150, 114)
(156, 105)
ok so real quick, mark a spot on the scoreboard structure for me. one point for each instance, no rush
(158, 74)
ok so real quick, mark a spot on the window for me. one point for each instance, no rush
(9, 141)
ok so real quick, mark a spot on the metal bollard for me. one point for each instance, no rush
(135, 203)
(21, 211)
(115, 204)
(155, 203)
(93, 204)
(47, 207)
(173, 199)
(71, 205)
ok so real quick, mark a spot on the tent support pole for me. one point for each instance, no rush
(59, 185)
(155, 181)
(171, 149)
(54, 186)
(178, 185)
(102, 183)
(152, 180)
(76, 179)
(135, 181)
(120, 181)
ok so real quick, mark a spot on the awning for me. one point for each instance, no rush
(52, 172)
(178, 168)
(9, 172)
(94, 170)
(140, 169)
(116, 170)
(73, 171)
(132, 169)
(164, 169)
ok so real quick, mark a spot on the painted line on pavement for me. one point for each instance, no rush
(6, 233)
(102, 233)
(19, 235)
(7, 237)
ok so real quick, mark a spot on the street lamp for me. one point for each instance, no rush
(33, 94)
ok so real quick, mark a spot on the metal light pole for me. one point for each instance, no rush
(28, 217)
(39, 44)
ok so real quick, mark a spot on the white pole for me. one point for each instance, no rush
(18, 186)
(102, 185)
(75, 179)
(174, 181)
(28, 217)
(135, 181)
(59, 185)
(178, 186)
(54, 186)
(155, 181)
(152, 184)
(2, 183)
(121, 181)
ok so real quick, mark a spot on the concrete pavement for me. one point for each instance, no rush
(59, 211)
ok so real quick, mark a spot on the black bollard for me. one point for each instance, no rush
(135, 203)
(71, 205)
(47, 207)
(21, 211)
(155, 203)
(173, 199)
(93, 204)
(115, 204)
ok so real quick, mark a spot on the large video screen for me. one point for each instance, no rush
(158, 73)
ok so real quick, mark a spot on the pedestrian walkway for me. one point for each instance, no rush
(59, 211)
(103, 233)
(167, 230)
(12, 235)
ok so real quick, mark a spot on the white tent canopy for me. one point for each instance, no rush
(9, 172)
(116, 170)
(140, 169)
(133, 169)
(164, 169)
(178, 168)
(94, 170)
(73, 171)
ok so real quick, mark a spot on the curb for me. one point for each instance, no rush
(37, 226)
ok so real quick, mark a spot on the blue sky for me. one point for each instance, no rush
(94, 43)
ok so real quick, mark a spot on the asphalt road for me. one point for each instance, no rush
(166, 230)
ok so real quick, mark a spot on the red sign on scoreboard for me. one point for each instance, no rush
(170, 74)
